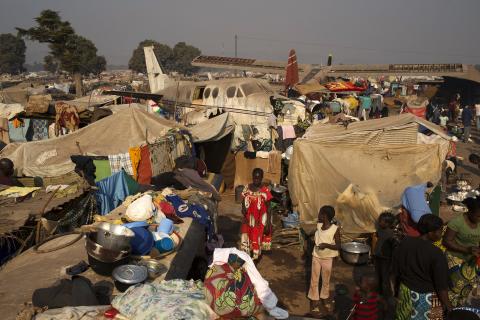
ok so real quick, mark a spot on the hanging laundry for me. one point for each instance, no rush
(40, 129)
(66, 116)
(18, 130)
(120, 161)
(113, 190)
(160, 157)
(102, 169)
(144, 166)
(135, 157)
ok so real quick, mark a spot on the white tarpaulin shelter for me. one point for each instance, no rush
(110, 135)
(363, 169)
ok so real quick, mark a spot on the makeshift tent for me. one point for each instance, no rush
(110, 135)
(359, 181)
(391, 130)
(363, 168)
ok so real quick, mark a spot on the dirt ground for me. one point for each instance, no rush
(288, 269)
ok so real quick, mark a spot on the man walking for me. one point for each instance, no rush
(467, 116)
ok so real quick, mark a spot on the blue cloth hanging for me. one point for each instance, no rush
(112, 191)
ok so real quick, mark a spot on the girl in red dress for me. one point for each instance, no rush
(255, 224)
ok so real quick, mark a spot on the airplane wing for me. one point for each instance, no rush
(132, 94)
(308, 72)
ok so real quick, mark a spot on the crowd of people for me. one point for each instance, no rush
(424, 272)
(454, 113)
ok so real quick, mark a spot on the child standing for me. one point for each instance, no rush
(327, 244)
(366, 299)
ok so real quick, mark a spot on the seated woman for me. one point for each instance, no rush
(414, 206)
(420, 268)
(462, 240)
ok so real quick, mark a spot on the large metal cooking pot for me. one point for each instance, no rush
(113, 236)
(355, 253)
(278, 190)
(101, 253)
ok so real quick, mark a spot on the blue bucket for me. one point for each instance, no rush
(143, 241)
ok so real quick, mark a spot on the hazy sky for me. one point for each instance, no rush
(354, 31)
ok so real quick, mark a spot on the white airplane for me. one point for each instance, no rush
(248, 100)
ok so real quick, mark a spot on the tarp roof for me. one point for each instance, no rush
(326, 131)
(213, 129)
(110, 135)
(89, 102)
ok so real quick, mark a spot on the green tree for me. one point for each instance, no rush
(163, 53)
(12, 54)
(73, 53)
(51, 64)
(183, 54)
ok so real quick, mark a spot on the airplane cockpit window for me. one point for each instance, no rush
(239, 93)
(215, 93)
(206, 93)
(231, 92)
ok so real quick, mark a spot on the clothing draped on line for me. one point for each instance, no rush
(66, 116)
(160, 157)
(40, 129)
(113, 190)
(144, 170)
(121, 161)
(135, 157)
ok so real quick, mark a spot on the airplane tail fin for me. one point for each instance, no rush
(291, 76)
(156, 78)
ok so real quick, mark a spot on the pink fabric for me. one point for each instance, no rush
(288, 132)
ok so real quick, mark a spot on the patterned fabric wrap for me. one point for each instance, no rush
(418, 306)
(230, 293)
(169, 300)
(253, 231)
(40, 129)
(463, 277)
(119, 161)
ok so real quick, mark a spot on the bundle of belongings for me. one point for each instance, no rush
(164, 209)
(232, 288)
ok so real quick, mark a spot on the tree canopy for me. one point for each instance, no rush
(12, 54)
(68, 51)
(177, 59)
